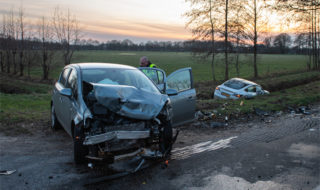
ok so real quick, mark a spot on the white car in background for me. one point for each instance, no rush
(236, 88)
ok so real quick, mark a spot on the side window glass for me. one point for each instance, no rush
(259, 89)
(72, 82)
(63, 76)
(251, 89)
(180, 81)
(151, 74)
(160, 77)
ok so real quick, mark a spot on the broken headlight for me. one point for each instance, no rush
(87, 118)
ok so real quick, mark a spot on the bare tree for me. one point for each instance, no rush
(282, 41)
(67, 31)
(226, 11)
(13, 33)
(46, 36)
(203, 22)
(22, 32)
(254, 13)
(306, 13)
(237, 28)
(31, 54)
(2, 43)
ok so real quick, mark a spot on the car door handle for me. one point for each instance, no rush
(190, 97)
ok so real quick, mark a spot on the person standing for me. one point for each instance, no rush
(144, 62)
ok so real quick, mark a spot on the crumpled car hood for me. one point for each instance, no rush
(129, 101)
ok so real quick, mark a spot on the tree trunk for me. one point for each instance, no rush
(29, 64)
(1, 61)
(255, 41)
(21, 63)
(226, 76)
(14, 62)
(237, 64)
(8, 62)
(212, 68)
(44, 65)
(212, 44)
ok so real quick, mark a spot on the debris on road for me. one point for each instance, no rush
(217, 124)
(7, 172)
(261, 112)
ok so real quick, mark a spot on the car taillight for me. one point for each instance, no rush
(217, 88)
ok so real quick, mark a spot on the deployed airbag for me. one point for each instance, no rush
(129, 101)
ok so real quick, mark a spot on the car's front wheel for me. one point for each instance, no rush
(79, 150)
(166, 139)
(54, 121)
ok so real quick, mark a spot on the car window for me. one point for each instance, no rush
(72, 82)
(235, 84)
(251, 89)
(180, 81)
(64, 76)
(160, 77)
(129, 77)
(258, 88)
(152, 74)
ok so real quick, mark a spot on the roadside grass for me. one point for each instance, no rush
(24, 107)
(13, 86)
(23, 104)
(294, 97)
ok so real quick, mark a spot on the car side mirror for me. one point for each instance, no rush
(66, 92)
(171, 92)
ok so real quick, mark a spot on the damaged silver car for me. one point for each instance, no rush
(115, 111)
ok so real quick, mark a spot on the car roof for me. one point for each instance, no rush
(101, 66)
(244, 81)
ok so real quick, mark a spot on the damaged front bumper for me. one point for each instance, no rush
(118, 135)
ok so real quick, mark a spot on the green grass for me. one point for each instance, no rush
(9, 85)
(171, 61)
(24, 107)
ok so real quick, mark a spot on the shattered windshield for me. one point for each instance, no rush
(112, 76)
(235, 84)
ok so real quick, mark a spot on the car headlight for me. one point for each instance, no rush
(87, 117)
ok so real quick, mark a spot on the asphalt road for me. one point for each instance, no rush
(280, 152)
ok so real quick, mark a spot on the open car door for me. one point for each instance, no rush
(184, 101)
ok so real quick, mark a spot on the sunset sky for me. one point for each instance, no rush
(137, 20)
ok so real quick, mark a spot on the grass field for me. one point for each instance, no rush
(171, 61)
(28, 101)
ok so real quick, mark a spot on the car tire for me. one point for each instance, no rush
(80, 151)
(54, 121)
(166, 139)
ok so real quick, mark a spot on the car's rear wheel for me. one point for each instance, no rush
(54, 121)
(80, 151)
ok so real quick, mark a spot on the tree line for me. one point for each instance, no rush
(24, 44)
(218, 26)
(247, 22)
